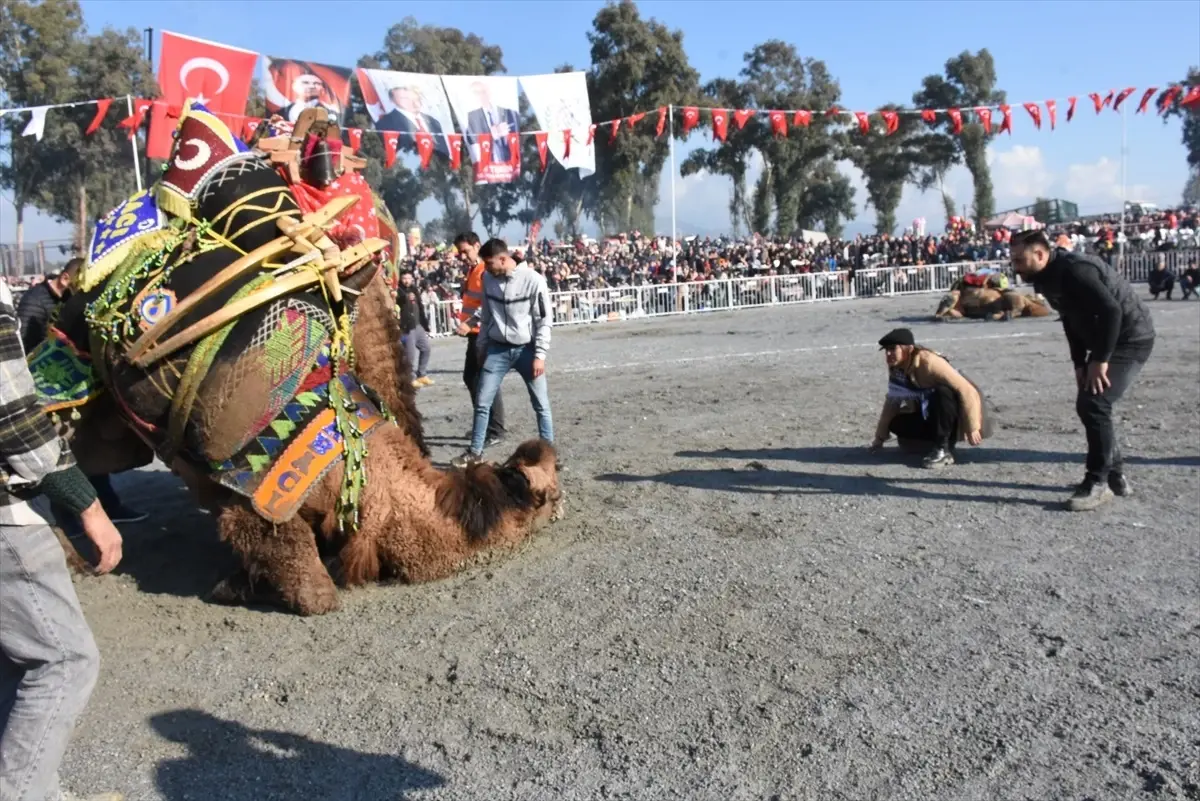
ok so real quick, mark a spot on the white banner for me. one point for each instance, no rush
(408, 102)
(487, 104)
(560, 102)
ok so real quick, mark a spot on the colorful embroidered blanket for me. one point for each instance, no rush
(62, 375)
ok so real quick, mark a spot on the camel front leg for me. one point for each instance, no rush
(283, 555)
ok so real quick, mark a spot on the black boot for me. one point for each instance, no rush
(1089, 495)
(938, 457)
(1119, 485)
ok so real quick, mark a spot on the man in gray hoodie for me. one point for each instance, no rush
(514, 334)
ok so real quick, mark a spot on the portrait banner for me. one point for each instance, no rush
(292, 85)
(486, 107)
(408, 103)
(560, 103)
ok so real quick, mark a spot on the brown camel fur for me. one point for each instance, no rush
(979, 303)
(417, 524)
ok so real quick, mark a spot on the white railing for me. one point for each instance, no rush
(614, 304)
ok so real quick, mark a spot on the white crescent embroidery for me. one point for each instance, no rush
(203, 63)
(203, 154)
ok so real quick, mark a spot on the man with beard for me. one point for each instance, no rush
(467, 244)
(1110, 335)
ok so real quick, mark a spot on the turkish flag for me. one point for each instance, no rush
(251, 127)
(741, 115)
(615, 126)
(542, 146)
(662, 121)
(720, 121)
(1035, 111)
(485, 151)
(1071, 107)
(101, 110)
(1052, 107)
(864, 122)
(1097, 101)
(567, 144)
(1166, 100)
(691, 118)
(985, 118)
(1141, 109)
(1191, 98)
(802, 118)
(591, 135)
(514, 150)
(955, 118)
(779, 123)
(1122, 96)
(355, 135)
(1006, 123)
(454, 140)
(891, 121)
(217, 76)
(391, 140)
(634, 119)
(929, 115)
(424, 147)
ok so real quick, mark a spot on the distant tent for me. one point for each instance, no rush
(1013, 220)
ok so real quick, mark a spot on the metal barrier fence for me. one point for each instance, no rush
(614, 304)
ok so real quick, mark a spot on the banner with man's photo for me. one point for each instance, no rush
(560, 103)
(292, 85)
(407, 103)
(486, 107)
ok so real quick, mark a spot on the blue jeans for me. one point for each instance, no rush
(499, 362)
(48, 660)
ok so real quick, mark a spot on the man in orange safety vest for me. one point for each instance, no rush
(467, 245)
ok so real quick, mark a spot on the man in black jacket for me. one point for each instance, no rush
(1110, 335)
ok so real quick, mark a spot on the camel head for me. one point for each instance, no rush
(486, 497)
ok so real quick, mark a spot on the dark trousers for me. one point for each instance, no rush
(939, 428)
(1095, 412)
(471, 371)
(1164, 284)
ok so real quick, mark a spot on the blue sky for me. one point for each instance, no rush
(879, 51)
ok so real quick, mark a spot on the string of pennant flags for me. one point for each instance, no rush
(779, 120)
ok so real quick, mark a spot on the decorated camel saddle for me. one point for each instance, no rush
(987, 295)
(234, 277)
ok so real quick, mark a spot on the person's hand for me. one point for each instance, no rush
(1097, 378)
(463, 329)
(103, 534)
(975, 437)
(539, 368)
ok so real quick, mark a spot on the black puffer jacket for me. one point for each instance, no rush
(412, 311)
(1100, 311)
(34, 312)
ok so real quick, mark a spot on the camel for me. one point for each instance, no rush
(254, 382)
(982, 297)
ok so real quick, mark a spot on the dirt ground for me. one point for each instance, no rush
(741, 604)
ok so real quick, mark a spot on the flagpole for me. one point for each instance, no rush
(1124, 199)
(671, 141)
(137, 170)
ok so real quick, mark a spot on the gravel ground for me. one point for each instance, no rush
(741, 603)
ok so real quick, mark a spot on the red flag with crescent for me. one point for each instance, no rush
(779, 123)
(720, 123)
(391, 142)
(891, 121)
(542, 146)
(216, 76)
(567, 144)
(1006, 122)
(424, 147)
(454, 140)
(514, 150)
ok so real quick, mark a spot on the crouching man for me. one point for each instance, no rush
(929, 404)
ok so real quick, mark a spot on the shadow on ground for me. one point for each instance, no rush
(234, 762)
(849, 455)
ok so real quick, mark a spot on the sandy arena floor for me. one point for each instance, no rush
(741, 604)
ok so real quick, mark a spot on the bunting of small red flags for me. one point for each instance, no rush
(802, 118)
(955, 118)
(662, 121)
(1124, 94)
(834, 111)
(1100, 102)
(778, 123)
(543, 147)
(455, 141)
(614, 126)
(485, 151)
(424, 147)
(251, 128)
(864, 122)
(1141, 109)
(985, 118)
(101, 110)
(1052, 108)
(634, 119)
(929, 115)
(591, 135)
(1167, 98)
(355, 135)
(391, 141)
(891, 121)
(514, 150)
(1192, 98)
(1006, 122)
(720, 123)
(1071, 107)
(567, 144)
(134, 121)
(1035, 111)
(741, 116)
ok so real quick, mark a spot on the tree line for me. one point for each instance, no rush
(636, 64)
